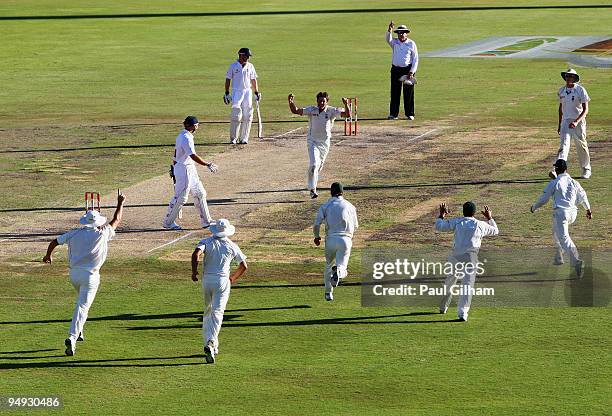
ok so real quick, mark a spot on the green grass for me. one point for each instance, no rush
(129, 82)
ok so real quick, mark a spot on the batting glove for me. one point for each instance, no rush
(227, 98)
(213, 168)
(171, 173)
(258, 96)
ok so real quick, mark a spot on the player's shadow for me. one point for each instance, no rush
(143, 317)
(118, 362)
(230, 321)
(415, 185)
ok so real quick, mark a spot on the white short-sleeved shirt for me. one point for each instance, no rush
(241, 76)
(404, 53)
(320, 124)
(566, 193)
(184, 148)
(468, 233)
(218, 256)
(87, 246)
(340, 217)
(571, 100)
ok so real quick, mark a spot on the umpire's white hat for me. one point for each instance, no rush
(571, 71)
(93, 218)
(402, 29)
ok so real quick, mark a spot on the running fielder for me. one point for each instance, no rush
(87, 250)
(243, 79)
(186, 177)
(340, 218)
(219, 252)
(320, 123)
(566, 194)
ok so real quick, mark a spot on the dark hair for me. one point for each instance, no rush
(469, 209)
(322, 94)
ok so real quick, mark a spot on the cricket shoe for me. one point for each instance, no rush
(173, 226)
(558, 261)
(70, 347)
(205, 226)
(313, 194)
(392, 117)
(443, 311)
(462, 318)
(410, 117)
(329, 297)
(335, 281)
(80, 338)
(232, 141)
(209, 353)
(243, 142)
(586, 173)
(552, 174)
(579, 267)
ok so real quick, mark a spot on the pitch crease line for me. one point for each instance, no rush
(423, 135)
(172, 242)
(286, 133)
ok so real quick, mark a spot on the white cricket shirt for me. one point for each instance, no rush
(184, 148)
(218, 256)
(320, 124)
(87, 246)
(404, 53)
(340, 217)
(566, 193)
(468, 232)
(241, 76)
(571, 100)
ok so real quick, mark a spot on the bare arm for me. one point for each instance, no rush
(195, 258)
(52, 245)
(239, 271)
(347, 111)
(199, 160)
(388, 35)
(227, 85)
(255, 86)
(560, 117)
(583, 114)
(292, 106)
(118, 211)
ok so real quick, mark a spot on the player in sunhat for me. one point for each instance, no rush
(219, 252)
(87, 250)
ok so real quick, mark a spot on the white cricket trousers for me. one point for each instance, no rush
(317, 153)
(561, 220)
(337, 253)
(467, 283)
(241, 117)
(187, 180)
(216, 291)
(578, 134)
(86, 284)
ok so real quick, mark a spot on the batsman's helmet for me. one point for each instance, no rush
(245, 51)
(191, 121)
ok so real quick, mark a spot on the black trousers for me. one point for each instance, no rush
(396, 92)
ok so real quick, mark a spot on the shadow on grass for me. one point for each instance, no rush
(416, 185)
(360, 320)
(118, 362)
(138, 317)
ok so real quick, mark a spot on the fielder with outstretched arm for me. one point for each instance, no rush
(566, 194)
(467, 240)
(320, 123)
(87, 250)
(340, 219)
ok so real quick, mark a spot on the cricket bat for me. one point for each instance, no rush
(259, 122)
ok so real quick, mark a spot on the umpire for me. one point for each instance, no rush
(404, 65)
